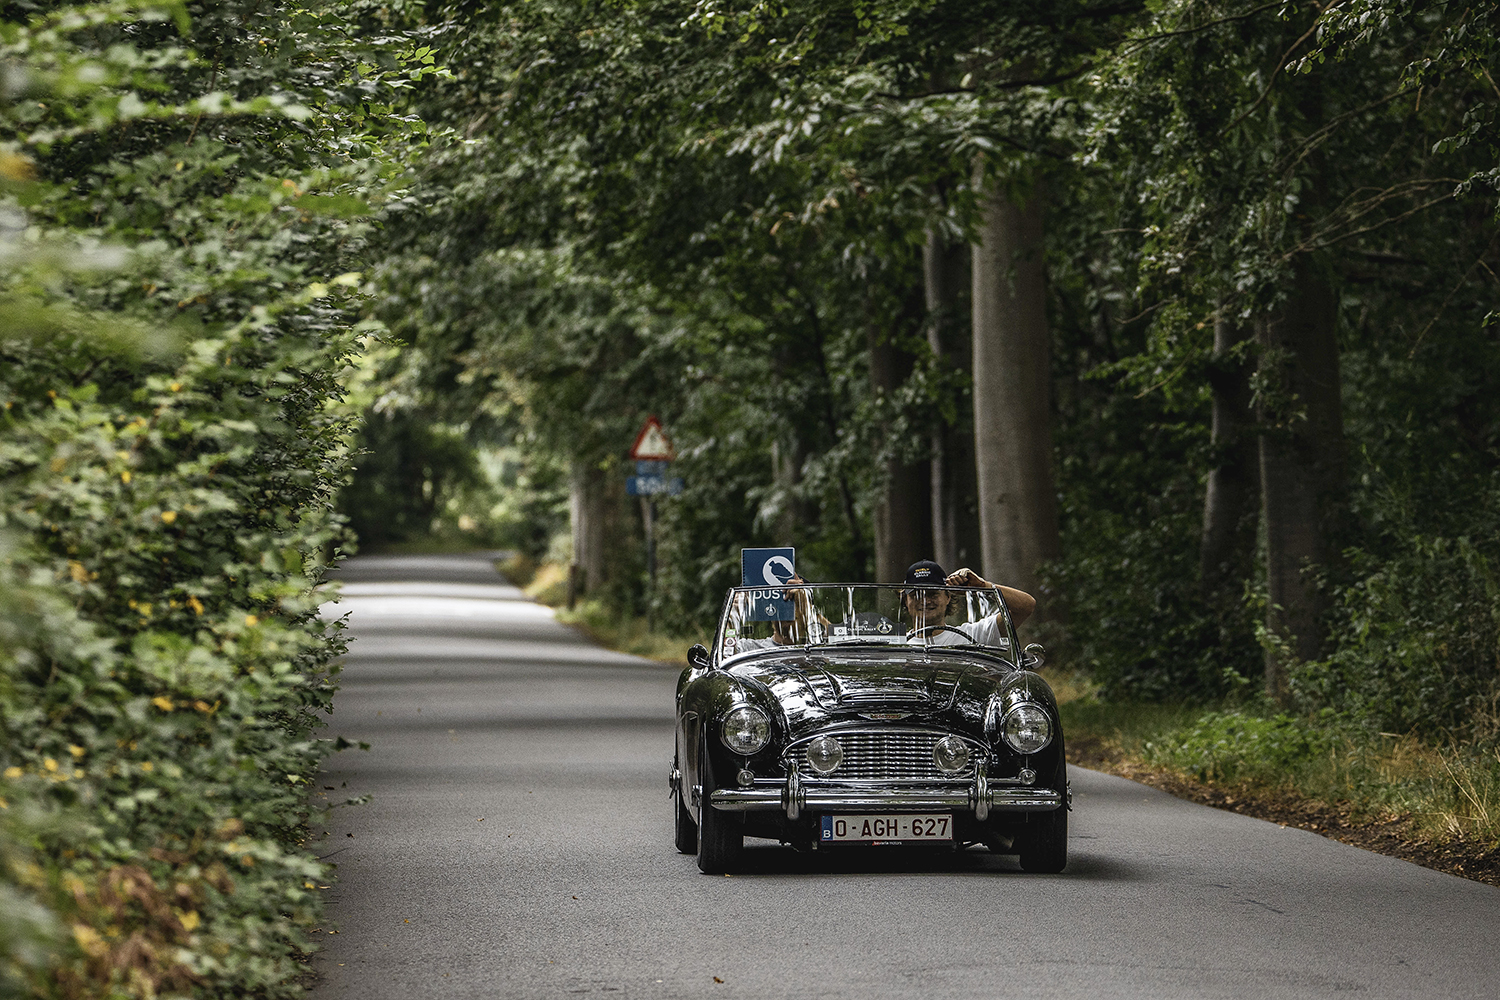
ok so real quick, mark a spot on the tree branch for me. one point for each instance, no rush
(1477, 262)
(1045, 81)
(1306, 145)
(1321, 240)
(1202, 27)
(1281, 65)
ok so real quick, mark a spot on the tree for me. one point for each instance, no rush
(903, 517)
(1231, 502)
(744, 193)
(1233, 116)
(1012, 397)
(1301, 468)
(946, 282)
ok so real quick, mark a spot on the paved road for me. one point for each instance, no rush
(518, 844)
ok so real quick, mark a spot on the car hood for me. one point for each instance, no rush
(819, 689)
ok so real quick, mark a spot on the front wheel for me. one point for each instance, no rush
(1044, 840)
(721, 835)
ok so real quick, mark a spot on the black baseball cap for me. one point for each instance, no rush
(925, 572)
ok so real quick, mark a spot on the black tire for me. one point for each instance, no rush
(721, 835)
(1043, 841)
(686, 827)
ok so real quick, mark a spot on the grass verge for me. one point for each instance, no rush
(1438, 806)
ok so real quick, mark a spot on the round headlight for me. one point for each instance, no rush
(951, 755)
(1027, 728)
(824, 755)
(745, 730)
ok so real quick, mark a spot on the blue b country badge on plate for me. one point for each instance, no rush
(769, 569)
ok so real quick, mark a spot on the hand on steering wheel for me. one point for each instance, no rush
(935, 628)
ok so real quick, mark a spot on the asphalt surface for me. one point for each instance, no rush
(518, 843)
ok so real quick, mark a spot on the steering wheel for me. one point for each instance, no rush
(936, 628)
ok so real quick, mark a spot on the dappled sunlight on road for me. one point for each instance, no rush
(373, 610)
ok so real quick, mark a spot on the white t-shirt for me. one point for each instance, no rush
(986, 632)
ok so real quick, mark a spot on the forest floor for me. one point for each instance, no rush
(1396, 836)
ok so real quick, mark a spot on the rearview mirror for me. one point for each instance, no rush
(698, 656)
(1033, 656)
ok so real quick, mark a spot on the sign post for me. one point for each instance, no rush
(652, 453)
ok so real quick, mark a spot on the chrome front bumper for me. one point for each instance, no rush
(795, 795)
(824, 799)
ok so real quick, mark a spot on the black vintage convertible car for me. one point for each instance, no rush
(837, 715)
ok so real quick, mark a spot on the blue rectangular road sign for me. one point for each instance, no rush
(768, 568)
(651, 486)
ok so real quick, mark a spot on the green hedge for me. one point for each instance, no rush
(186, 199)
(164, 675)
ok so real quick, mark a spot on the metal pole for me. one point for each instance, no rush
(648, 515)
(651, 542)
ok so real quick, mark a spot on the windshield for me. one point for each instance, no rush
(817, 615)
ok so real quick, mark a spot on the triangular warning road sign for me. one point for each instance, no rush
(652, 443)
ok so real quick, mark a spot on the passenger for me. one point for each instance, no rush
(807, 626)
(928, 606)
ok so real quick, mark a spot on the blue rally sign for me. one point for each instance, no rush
(652, 486)
(769, 569)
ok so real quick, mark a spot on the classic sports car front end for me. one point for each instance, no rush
(840, 723)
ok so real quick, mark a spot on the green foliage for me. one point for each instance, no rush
(1235, 745)
(1138, 623)
(161, 775)
(407, 471)
(186, 201)
(1228, 165)
(708, 214)
(1418, 643)
(712, 212)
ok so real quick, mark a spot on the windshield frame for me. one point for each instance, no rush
(1011, 654)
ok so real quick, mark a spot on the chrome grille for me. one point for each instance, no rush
(886, 756)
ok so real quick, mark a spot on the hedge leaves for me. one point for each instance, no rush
(186, 202)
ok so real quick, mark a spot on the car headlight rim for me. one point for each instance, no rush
(824, 755)
(951, 755)
(746, 730)
(1027, 728)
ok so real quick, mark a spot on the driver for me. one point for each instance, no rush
(928, 606)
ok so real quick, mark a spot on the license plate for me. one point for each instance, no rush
(887, 828)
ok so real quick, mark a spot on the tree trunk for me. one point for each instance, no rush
(1231, 505)
(586, 507)
(1012, 395)
(791, 517)
(903, 518)
(955, 517)
(1301, 465)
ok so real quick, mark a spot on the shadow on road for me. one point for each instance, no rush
(778, 861)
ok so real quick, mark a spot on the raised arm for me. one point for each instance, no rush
(1021, 604)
